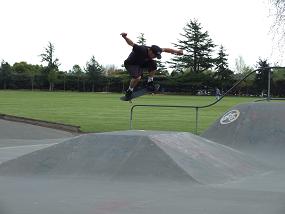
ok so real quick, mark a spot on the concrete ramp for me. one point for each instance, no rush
(256, 126)
(137, 156)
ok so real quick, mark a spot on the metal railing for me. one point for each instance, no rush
(268, 98)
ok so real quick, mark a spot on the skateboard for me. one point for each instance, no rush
(141, 92)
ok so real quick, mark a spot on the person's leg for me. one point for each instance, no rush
(150, 76)
(135, 72)
(134, 82)
(150, 84)
(152, 66)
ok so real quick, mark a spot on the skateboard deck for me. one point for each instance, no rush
(141, 92)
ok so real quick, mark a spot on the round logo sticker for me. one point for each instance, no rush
(230, 117)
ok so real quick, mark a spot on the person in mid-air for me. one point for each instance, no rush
(142, 59)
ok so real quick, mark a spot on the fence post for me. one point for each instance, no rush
(268, 86)
(131, 118)
(196, 125)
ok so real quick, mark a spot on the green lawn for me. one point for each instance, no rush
(100, 112)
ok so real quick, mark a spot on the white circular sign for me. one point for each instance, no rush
(230, 117)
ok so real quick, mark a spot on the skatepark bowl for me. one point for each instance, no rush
(236, 166)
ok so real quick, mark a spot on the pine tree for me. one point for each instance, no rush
(161, 68)
(78, 73)
(223, 72)
(141, 39)
(5, 74)
(261, 78)
(95, 71)
(197, 46)
(52, 67)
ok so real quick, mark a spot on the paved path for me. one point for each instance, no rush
(17, 139)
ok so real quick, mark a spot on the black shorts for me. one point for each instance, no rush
(136, 71)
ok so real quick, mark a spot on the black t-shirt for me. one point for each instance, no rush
(139, 56)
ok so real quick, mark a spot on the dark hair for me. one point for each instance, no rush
(156, 50)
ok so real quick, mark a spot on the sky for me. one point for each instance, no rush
(80, 29)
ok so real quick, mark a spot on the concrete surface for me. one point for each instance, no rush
(259, 130)
(17, 139)
(137, 155)
(145, 171)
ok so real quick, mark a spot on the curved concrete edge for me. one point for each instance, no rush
(47, 124)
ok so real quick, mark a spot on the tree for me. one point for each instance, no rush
(198, 47)
(242, 70)
(94, 71)
(261, 78)
(109, 70)
(78, 72)
(223, 73)
(27, 69)
(141, 39)
(53, 64)
(161, 68)
(5, 74)
(241, 67)
(278, 25)
(279, 15)
(221, 61)
(278, 83)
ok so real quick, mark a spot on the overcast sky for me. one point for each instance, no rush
(80, 29)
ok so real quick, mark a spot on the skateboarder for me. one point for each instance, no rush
(142, 58)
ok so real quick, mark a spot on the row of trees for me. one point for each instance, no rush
(197, 70)
(96, 78)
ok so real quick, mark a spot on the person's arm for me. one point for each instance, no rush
(172, 51)
(129, 42)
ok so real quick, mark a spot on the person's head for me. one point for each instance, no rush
(154, 52)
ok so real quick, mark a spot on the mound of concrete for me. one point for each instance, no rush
(137, 156)
(251, 126)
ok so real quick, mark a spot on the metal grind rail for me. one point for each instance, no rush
(266, 69)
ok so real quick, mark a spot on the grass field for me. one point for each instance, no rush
(100, 112)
